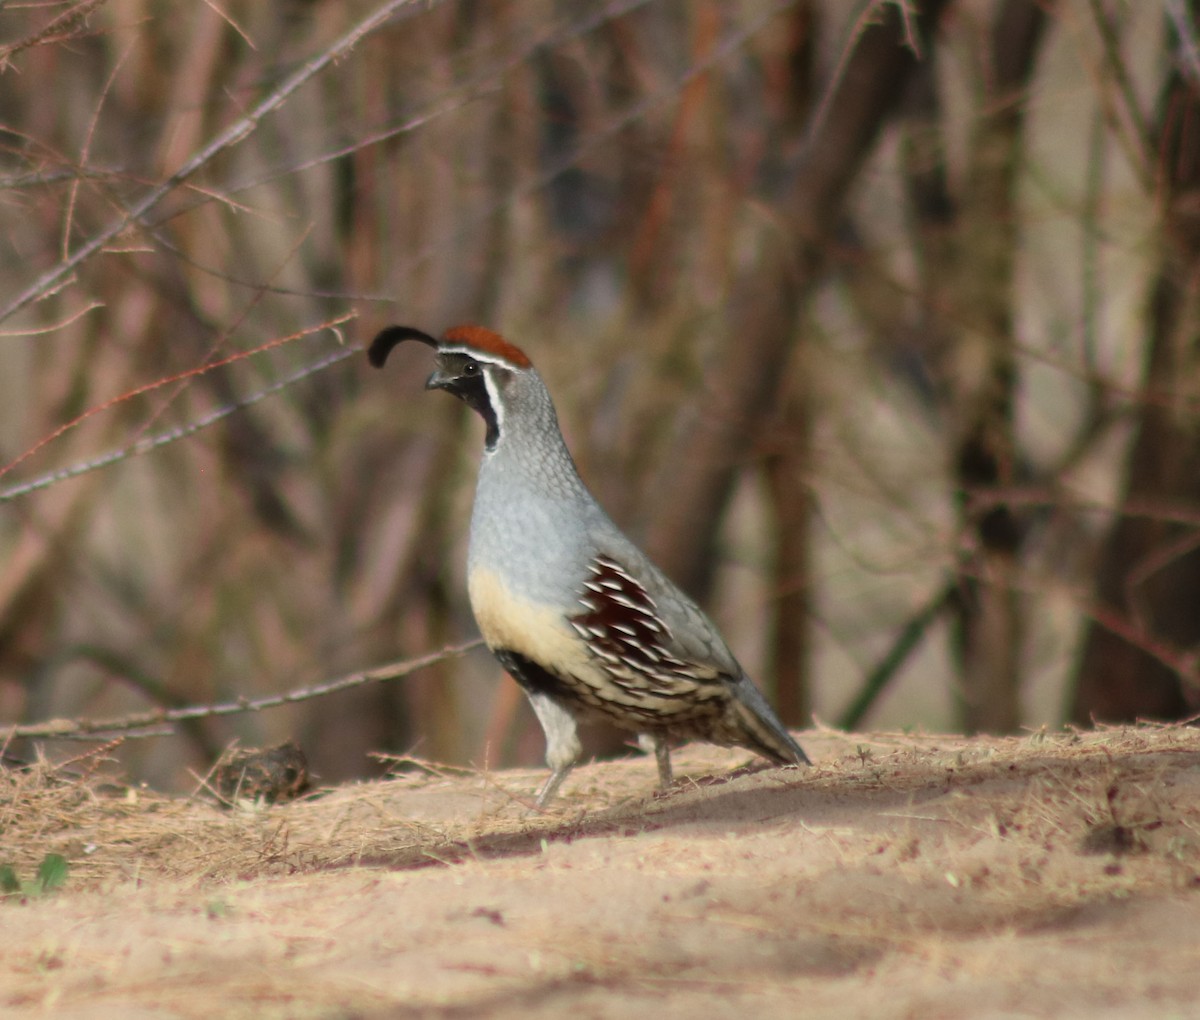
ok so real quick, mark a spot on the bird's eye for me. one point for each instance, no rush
(471, 368)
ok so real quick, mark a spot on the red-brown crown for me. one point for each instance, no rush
(485, 341)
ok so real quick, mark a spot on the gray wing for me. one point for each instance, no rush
(660, 647)
(645, 627)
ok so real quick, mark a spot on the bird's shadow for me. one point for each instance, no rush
(840, 795)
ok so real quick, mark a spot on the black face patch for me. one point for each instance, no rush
(462, 375)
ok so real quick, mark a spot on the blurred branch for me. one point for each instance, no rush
(906, 641)
(58, 277)
(1180, 660)
(53, 326)
(1141, 146)
(1149, 572)
(1089, 256)
(483, 83)
(990, 620)
(153, 442)
(713, 55)
(767, 297)
(1180, 16)
(85, 151)
(158, 718)
(65, 26)
(874, 14)
(788, 475)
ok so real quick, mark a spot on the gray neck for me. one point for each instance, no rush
(532, 512)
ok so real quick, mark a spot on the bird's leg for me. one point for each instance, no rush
(657, 742)
(662, 755)
(551, 785)
(562, 742)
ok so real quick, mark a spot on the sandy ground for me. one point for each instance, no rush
(1053, 875)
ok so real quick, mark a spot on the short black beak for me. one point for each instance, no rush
(440, 380)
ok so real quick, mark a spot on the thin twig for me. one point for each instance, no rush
(54, 326)
(57, 277)
(153, 442)
(65, 26)
(158, 718)
(86, 152)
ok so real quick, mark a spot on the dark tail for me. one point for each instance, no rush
(763, 731)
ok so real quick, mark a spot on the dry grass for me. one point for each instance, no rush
(896, 873)
(1119, 791)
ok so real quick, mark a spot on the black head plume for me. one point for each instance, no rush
(382, 345)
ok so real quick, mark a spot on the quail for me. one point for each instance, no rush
(572, 609)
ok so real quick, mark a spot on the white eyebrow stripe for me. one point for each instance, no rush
(477, 355)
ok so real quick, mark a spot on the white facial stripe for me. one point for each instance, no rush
(494, 398)
(483, 357)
